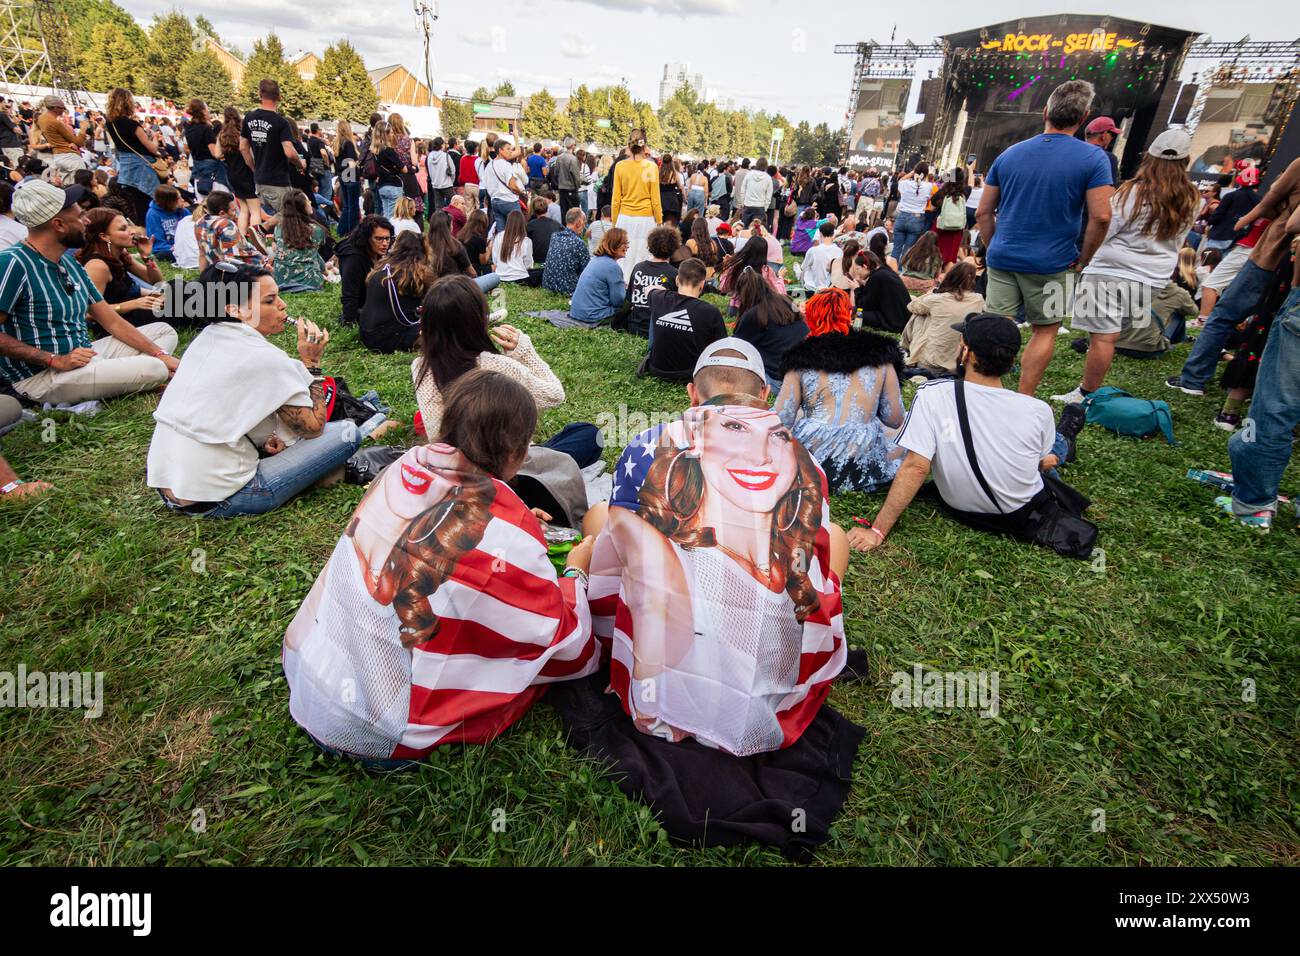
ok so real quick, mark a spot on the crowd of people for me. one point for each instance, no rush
(708, 586)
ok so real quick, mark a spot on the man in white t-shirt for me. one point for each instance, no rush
(1014, 437)
(816, 270)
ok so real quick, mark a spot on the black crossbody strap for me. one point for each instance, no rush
(963, 421)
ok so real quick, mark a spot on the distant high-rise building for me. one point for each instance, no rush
(677, 75)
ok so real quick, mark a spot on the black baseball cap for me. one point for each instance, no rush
(984, 331)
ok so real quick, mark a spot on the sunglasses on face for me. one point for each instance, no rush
(65, 279)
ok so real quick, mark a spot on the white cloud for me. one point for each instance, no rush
(575, 47)
(476, 38)
(681, 7)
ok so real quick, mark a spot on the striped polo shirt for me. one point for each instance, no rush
(42, 304)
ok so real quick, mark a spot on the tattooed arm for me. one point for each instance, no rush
(307, 420)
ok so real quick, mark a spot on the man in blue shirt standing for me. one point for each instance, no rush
(1039, 189)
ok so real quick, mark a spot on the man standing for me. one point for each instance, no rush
(65, 141)
(1039, 189)
(720, 190)
(46, 354)
(737, 184)
(1250, 285)
(442, 174)
(757, 193)
(266, 144)
(319, 162)
(568, 176)
(1101, 132)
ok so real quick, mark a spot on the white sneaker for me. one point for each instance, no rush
(918, 380)
(1062, 330)
(1070, 398)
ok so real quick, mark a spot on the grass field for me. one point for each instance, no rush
(1121, 681)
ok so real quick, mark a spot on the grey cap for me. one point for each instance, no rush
(1173, 143)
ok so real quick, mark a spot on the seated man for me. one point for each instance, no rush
(989, 448)
(567, 255)
(13, 488)
(45, 350)
(682, 325)
(716, 577)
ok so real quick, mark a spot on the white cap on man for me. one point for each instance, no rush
(752, 361)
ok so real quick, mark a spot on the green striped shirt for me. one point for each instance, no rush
(42, 304)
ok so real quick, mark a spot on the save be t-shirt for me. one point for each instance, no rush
(1043, 185)
(684, 327)
(266, 130)
(646, 276)
(1011, 434)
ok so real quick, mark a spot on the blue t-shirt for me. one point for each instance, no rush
(536, 165)
(1043, 184)
(600, 291)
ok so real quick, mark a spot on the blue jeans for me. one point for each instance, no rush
(1223, 245)
(1238, 301)
(388, 195)
(695, 199)
(293, 470)
(487, 282)
(1259, 459)
(349, 206)
(500, 209)
(1059, 448)
(908, 227)
(325, 185)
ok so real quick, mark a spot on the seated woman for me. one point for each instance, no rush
(769, 322)
(882, 297)
(390, 316)
(455, 338)
(473, 236)
(403, 218)
(298, 238)
(700, 245)
(775, 251)
(358, 254)
(219, 237)
(601, 290)
(439, 606)
(846, 272)
(448, 256)
(929, 339)
(512, 251)
(805, 228)
(110, 265)
(1165, 326)
(922, 264)
(841, 399)
(752, 255)
(242, 428)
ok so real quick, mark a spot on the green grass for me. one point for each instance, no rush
(1121, 688)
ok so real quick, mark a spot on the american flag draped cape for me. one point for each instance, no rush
(437, 619)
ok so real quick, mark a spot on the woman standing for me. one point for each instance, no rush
(636, 202)
(205, 151)
(390, 167)
(401, 140)
(913, 196)
(670, 189)
(134, 151)
(345, 167)
(950, 223)
(238, 175)
(698, 193)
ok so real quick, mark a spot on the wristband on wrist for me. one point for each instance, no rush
(864, 523)
(578, 573)
(11, 486)
(315, 370)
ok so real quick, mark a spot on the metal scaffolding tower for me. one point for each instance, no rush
(26, 58)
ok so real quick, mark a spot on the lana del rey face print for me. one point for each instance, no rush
(747, 457)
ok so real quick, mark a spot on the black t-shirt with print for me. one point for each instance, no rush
(683, 328)
(266, 130)
(646, 275)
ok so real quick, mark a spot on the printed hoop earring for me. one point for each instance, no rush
(798, 502)
(668, 487)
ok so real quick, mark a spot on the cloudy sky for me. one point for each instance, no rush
(762, 53)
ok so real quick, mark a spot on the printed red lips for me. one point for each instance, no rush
(752, 480)
(415, 481)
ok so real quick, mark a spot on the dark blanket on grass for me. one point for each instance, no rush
(707, 797)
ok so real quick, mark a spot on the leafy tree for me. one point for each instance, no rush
(505, 88)
(680, 132)
(268, 63)
(740, 134)
(482, 95)
(621, 114)
(171, 40)
(457, 118)
(828, 145)
(583, 111)
(711, 124)
(342, 87)
(82, 16)
(541, 121)
(113, 59)
(648, 121)
(803, 148)
(202, 25)
(761, 125)
(202, 75)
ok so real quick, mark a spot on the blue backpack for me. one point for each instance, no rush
(1116, 410)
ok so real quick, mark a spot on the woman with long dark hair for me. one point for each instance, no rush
(929, 338)
(473, 236)
(205, 151)
(670, 189)
(238, 175)
(512, 251)
(357, 254)
(769, 321)
(700, 245)
(298, 238)
(108, 261)
(921, 265)
(950, 221)
(389, 320)
(752, 255)
(447, 255)
(455, 337)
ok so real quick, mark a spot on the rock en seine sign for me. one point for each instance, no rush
(1098, 41)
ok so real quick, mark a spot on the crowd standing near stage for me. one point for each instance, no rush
(706, 584)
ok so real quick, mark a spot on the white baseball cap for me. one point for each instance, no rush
(752, 361)
(1173, 143)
